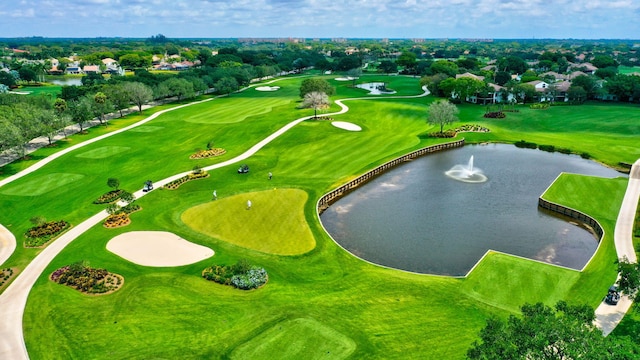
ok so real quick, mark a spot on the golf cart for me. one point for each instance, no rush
(613, 296)
(148, 186)
(243, 169)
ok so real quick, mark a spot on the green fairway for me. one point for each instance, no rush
(274, 224)
(43, 184)
(320, 301)
(103, 152)
(297, 339)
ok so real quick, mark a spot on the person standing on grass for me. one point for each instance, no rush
(248, 204)
(215, 195)
(270, 175)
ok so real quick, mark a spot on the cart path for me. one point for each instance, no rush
(609, 316)
(14, 299)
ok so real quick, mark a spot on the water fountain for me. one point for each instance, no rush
(467, 173)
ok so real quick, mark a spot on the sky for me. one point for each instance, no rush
(477, 19)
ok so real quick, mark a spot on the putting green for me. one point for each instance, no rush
(42, 184)
(275, 224)
(103, 152)
(301, 338)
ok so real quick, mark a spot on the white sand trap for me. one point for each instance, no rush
(268, 88)
(348, 78)
(346, 126)
(157, 248)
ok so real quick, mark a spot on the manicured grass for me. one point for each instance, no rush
(43, 184)
(321, 296)
(103, 152)
(628, 69)
(277, 219)
(297, 339)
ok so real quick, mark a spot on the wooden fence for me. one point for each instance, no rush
(573, 214)
(332, 196)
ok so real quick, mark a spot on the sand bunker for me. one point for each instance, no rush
(348, 78)
(268, 88)
(346, 126)
(157, 248)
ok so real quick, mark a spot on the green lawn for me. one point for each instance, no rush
(320, 300)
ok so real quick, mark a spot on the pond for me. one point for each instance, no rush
(416, 218)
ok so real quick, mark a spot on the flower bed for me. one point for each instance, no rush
(86, 279)
(192, 176)
(117, 220)
(107, 198)
(471, 128)
(42, 234)
(5, 275)
(242, 275)
(203, 154)
(444, 134)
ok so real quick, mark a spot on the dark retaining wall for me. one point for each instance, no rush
(574, 214)
(332, 196)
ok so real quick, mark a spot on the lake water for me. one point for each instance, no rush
(416, 218)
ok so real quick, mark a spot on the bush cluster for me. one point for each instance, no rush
(471, 128)
(495, 115)
(191, 176)
(548, 148)
(117, 220)
(444, 134)
(242, 275)
(539, 106)
(203, 154)
(41, 234)
(109, 197)
(86, 279)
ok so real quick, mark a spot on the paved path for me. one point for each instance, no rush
(609, 316)
(14, 299)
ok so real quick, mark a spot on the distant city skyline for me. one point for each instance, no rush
(492, 19)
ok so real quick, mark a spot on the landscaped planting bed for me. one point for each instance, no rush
(192, 176)
(109, 197)
(42, 234)
(242, 275)
(86, 279)
(5, 275)
(117, 220)
(203, 154)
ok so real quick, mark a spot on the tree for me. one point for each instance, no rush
(442, 113)
(577, 94)
(226, 85)
(629, 281)
(316, 100)
(566, 332)
(139, 93)
(502, 77)
(80, 111)
(180, 88)
(444, 67)
(407, 60)
(465, 87)
(388, 67)
(113, 183)
(587, 83)
(354, 74)
(316, 84)
(118, 96)
(433, 83)
(101, 105)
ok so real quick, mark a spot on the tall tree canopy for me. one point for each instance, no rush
(442, 113)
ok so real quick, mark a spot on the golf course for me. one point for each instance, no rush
(320, 301)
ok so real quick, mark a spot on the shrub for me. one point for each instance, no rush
(525, 144)
(563, 150)
(539, 106)
(192, 176)
(445, 134)
(548, 148)
(40, 235)
(109, 197)
(242, 275)
(495, 115)
(86, 279)
(202, 154)
(585, 155)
